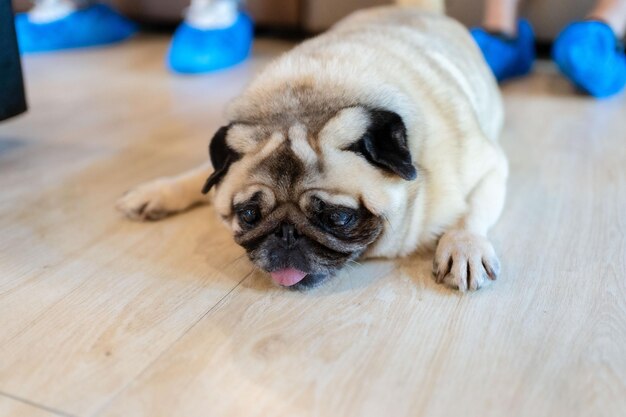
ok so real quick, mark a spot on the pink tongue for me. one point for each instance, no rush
(287, 277)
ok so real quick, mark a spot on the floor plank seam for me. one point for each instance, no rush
(36, 405)
(216, 305)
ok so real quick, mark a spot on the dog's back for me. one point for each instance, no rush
(399, 58)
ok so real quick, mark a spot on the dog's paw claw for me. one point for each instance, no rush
(465, 261)
(492, 268)
(440, 271)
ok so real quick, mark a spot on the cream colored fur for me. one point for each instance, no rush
(421, 65)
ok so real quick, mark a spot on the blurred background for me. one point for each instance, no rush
(312, 16)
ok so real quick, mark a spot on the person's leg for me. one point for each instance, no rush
(212, 14)
(500, 16)
(590, 54)
(214, 35)
(613, 13)
(64, 24)
(507, 43)
(46, 11)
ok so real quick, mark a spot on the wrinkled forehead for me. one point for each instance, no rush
(294, 161)
(281, 165)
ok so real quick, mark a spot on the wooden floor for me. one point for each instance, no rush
(100, 316)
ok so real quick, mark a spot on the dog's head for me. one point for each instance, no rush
(307, 196)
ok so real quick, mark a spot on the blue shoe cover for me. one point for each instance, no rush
(508, 58)
(589, 54)
(92, 26)
(196, 50)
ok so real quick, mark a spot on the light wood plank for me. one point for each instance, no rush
(11, 407)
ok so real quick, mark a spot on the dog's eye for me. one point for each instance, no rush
(339, 218)
(249, 215)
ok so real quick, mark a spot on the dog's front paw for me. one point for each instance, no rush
(465, 260)
(151, 201)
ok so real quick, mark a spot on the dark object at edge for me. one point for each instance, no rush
(12, 99)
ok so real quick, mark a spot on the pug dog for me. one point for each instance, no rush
(375, 139)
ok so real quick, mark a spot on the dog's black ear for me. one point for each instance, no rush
(222, 156)
(385, 145)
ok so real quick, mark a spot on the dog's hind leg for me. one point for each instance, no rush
(465, 258)
(161, 197)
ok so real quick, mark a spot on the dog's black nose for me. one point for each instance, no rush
(287, 234)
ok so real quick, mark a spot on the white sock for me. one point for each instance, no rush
(46, 11)
(211, 14)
